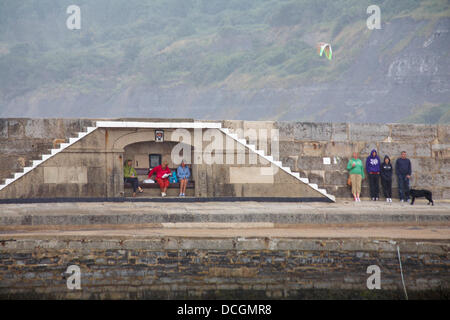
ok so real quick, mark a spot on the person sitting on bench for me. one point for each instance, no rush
(183, 174)
(130, 176)
(162, 176)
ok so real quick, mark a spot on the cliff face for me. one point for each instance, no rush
(395, 72)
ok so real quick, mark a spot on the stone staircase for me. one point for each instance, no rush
(80, 135)
(278, 164)
(33, 163)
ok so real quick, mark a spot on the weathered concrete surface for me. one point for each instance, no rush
(164, 266)
(23, 140)
(303, 145)
(223, 250)
(95, 167)
(342, 212)
(234, 230)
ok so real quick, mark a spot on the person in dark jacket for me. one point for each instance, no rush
(386, 171)
(403, 170)
(373, 169)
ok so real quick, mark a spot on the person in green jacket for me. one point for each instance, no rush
(356, 170)
(130, 175)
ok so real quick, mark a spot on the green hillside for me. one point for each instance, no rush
(234, 44)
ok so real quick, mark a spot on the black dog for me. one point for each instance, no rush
(421, 193)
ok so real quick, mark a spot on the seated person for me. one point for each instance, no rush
(183, 174)
(162, 176)
(130, 176)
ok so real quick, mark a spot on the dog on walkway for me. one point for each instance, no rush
(414, 193)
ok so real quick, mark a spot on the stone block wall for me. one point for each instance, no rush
(23, 140)
(303, 147)
(227, 268)
(93, 167)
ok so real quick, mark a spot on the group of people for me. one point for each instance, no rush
(377, 170)
(162, 173)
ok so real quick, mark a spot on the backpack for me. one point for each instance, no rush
(173, 178)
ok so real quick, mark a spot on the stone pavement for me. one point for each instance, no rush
(344, 219)
(428, 233)
(343, 212)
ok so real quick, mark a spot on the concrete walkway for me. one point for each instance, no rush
(343, 212)
(345, 219)
(227, 231)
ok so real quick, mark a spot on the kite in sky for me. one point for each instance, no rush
(323, 47)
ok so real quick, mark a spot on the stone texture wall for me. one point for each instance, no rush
(93, 167)
(23, 140)
(220, 268)
(302, 147)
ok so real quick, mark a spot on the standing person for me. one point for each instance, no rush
(130, 176)
(386, 178)
(373, 169)
(183, 174)
(403, 170)
(356, 171)
(162, 176)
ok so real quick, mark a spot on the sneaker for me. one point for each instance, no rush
(163, 194)
(180, 195)
(359, 200)
(387, 199)
(373, 199)
(390, 199)
(183, 195)
(401, 200)
(376, 199)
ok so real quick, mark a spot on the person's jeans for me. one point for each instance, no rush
(134, 182)
(403, 187)
(387, 187)
(374, 185)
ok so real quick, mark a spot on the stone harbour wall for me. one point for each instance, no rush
(93, 167)
(236, 268)
(23, 140)
(303, 147)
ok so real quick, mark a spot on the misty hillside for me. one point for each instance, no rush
(230, 59)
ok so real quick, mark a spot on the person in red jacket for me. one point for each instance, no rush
(162, 176)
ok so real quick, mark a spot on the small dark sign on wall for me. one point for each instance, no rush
(154, 160)
(159, 135)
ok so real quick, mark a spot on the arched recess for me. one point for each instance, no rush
(124, 144)
(144, 135)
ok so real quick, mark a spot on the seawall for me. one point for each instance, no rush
(302, 146)
(210, 268)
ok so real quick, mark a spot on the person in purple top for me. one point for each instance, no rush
(373, 169)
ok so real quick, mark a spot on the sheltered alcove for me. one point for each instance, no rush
(145, 155)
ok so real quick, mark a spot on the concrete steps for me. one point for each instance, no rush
(52, 152)
(244, 213)
(277, 163)
(226, 131)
